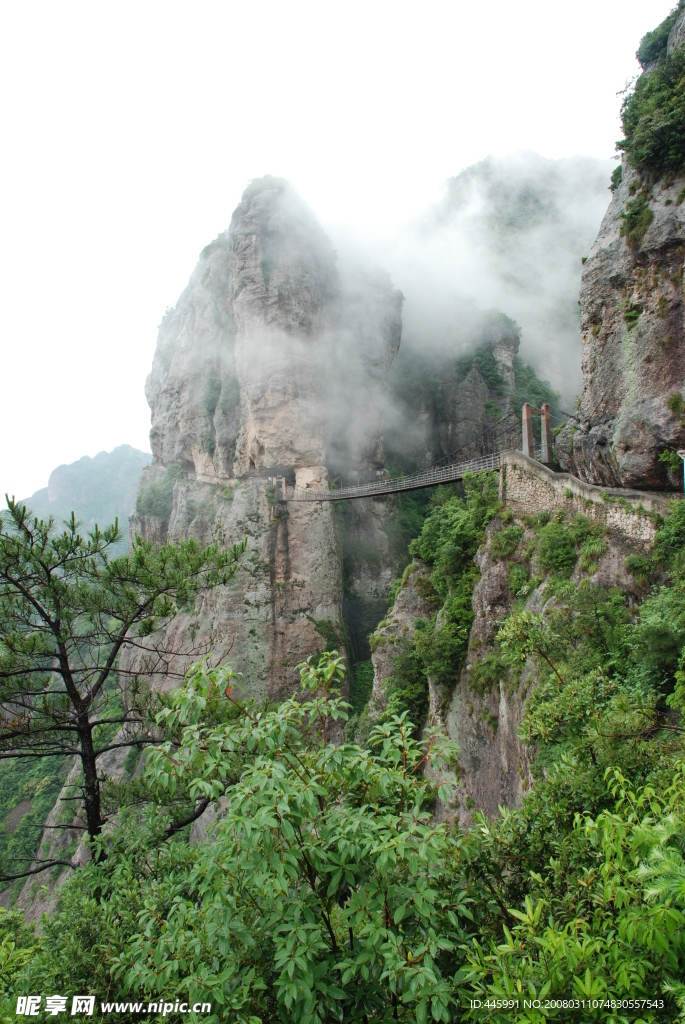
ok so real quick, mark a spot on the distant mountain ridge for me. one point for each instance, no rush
(98, 490)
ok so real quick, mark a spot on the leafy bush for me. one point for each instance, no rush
(653, 117)
(616, 177)
(361, 683)
(486, 364)
(529, 388)
(635, 220)
(323, 889)
(672, 459)
(639, 567)
(505, 541)
(157, 497)
(518, 579)
(212, 391)
(556, 551)
(675, 403)
(653, 44)
(407, 686)
(486, 674)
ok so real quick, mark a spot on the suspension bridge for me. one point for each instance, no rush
(482, 453)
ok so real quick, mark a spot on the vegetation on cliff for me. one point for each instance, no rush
(653, 114)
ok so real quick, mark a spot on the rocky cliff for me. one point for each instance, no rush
(633, 330)
(274, 362)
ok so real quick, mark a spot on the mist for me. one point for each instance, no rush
(509, 234)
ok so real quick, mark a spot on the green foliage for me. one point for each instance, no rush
(635, 220)
(653, 44)
(361, 683)
(30, 785)
(17, 945)
(529, 388)
(556, 550)
(616, 177)
(639, 567)
(156, 498)
(505, 541)
(631, 314)
(492, 410)
(485, 363)
(618, 934)
(487, 673)
(407, 686)
(672, 459)
(66, 610)
(653, 118)
(675, 403)
(340, 901)
(449, 539)
(518, 580)
(329, 633)
(212, 391)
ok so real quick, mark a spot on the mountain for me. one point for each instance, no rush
(98, 490)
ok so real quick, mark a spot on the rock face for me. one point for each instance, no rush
(273, 362)
(633, 339)
(495, 763)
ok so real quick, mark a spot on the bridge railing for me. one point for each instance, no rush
(480, 453)
(436, 474)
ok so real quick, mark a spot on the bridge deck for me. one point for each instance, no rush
(428, 478)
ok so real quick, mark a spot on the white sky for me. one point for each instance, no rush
(129, 131)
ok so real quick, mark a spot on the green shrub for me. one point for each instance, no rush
(212, 391)
(529, 388)
(361, 684)
(556, 551)
(675, 403)
(157, 497)
(486, 364)
(486, 674)
(492, 410)
(616, 177)
(672, 460)
(395, 588)
(631, 314)
(518, 580)
(635, 220)
(639, 567)
(590, 551)
(504, 543)
(653, 44)
(653, 117)
(407, 687)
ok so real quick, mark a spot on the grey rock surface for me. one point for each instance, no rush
(633, 330)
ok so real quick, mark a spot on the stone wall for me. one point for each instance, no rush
(528, 487)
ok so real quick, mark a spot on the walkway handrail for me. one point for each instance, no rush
(437, 474)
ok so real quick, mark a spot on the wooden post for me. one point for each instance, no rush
(527, 430)
(546, 433)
